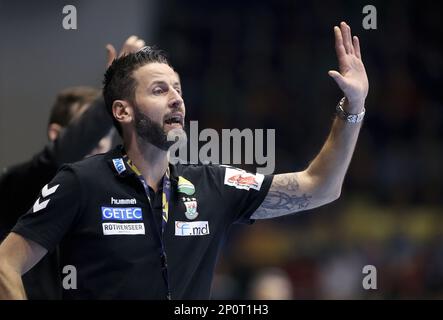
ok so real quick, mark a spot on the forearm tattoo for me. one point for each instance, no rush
(283, 198)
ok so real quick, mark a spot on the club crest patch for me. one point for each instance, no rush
(191, 208)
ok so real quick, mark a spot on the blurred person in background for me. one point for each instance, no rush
(79, 126)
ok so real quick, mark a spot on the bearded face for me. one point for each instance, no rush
(158, 107)
(150, 131)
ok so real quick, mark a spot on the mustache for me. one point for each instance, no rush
(174, 117)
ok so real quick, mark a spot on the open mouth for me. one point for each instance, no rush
(174, 119)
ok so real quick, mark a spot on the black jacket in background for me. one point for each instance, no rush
(20, 186)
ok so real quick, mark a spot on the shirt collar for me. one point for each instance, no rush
(121, 168)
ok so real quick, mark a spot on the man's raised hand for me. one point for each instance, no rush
(352, 78)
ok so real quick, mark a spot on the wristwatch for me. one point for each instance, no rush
(349, 117)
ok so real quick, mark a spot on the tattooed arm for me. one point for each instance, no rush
(322, 181)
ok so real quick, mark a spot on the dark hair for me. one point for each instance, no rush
(119, 83)
(69, 101)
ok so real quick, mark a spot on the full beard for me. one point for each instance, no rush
(149, 131)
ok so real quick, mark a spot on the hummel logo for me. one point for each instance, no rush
(123, 201)
(45, 192)
(38, 206)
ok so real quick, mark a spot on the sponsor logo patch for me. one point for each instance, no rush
(122, 214)
(110, 228)
(194, 228)
(241, 179)
(119, 165)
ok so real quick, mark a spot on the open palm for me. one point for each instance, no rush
(351, 78)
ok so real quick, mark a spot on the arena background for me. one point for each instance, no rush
(263, 64)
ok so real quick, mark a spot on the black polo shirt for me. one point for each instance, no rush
(110, 230)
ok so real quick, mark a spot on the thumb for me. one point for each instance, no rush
(338, 78)
(111, 54)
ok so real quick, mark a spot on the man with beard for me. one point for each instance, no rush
(132, 226)
(78, 126)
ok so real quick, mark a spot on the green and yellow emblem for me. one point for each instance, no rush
(185, 186)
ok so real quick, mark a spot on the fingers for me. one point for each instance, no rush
(339, 48)
(347, 40)
(139, 44)
(128, 45)
(357, 47)
(131, 45)
(343, 38)
(349, 37)
(111, 54)
(339, 79)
